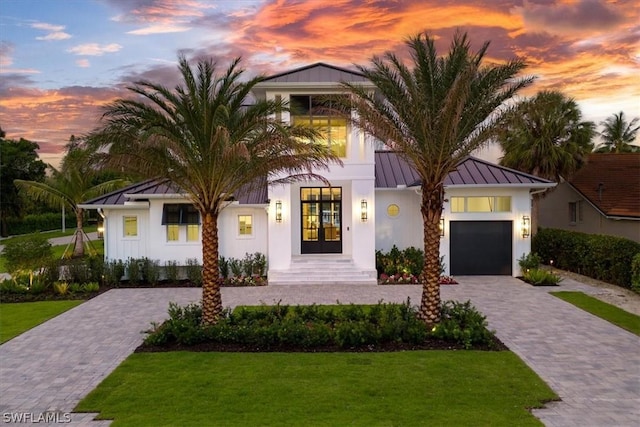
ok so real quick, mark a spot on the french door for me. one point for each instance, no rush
(321, 220)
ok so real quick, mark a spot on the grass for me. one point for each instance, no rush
(16, 318)
(320, 389)
(608, 312)
(49, 234)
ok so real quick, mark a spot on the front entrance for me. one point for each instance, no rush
(321, 220)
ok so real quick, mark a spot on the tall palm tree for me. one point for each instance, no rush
(546, 136)
(434, 112)
(618, 135)
(69, 186)
(209, 143)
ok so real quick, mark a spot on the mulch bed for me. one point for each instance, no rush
(431, 344)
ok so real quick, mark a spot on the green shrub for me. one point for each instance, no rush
(150, 270)
(91, 287)
(41, 222)
(75, 288)
(133, 270)
(171, 271)
(260, 264)
(194, 271)
(462, 323)
(61, 288)
(635, 273)
(30, 253)
(396, 261)
(77, 270)
(539, 277)
(606, 258)
(113, 272)
(11, 286)
(529, 262)
(235, 265)
(223, 266)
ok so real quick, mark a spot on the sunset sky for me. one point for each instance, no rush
(60, 60)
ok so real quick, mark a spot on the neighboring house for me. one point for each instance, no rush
(603, 197)
(314, 233)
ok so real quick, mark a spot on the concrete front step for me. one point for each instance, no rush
(322, 269)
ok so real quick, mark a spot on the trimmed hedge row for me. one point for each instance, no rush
(34, 223)
(601, 257)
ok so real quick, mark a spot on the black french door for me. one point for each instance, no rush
(321, 220)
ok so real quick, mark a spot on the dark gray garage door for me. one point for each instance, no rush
(481, 247)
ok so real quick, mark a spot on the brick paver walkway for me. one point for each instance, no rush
(592, 365)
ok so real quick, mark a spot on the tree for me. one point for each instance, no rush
(206, 140)
(618, 135)
(434, 112)
(546, 136)
(18, 160)
(71, 185)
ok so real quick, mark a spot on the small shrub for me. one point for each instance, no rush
(529, 262)
(171, 271)
(635, 273)
(247, 264)
(113, 272)
(91, 287)
(11, 286)
(133, 271)
(235, 265)
(150, 270)
(539, 277)
(75, 288)
(194, 271)
(77, 270)
(260, 264)
(61, 288)
(463, 323)
(30, 253)
(223, 266)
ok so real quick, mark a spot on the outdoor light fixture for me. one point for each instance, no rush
(526, 227)
(278, 211)
(100, 230)
(441, 227)
(363, 210)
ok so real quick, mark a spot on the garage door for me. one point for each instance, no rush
(481, 247)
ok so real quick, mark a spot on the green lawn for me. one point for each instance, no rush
(15, 318)
(413, 388)
(608, 312)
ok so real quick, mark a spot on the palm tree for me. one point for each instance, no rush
(435, 113)
(69, 186)
(545, 136)
(209, 143)
(618, 135)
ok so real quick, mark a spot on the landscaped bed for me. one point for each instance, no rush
(320, 389)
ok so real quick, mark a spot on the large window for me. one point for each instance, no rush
(175, 215)
(130, 226)
(315, 111)
(481, 204)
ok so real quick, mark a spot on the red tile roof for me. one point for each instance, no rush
(611, 182)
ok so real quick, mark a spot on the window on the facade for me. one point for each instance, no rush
(481, 204)
(314, 111)
(245, 225)
(130, 226)
(580, 207)
(193, 232)
(173, 233)
(393, 210)
(573, 212)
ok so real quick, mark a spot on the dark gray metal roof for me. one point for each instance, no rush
(251, 194)
(392, 171)
(317, 73)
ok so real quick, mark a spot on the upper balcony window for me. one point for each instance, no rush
(315, 111)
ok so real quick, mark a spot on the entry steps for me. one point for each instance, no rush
(322, 269)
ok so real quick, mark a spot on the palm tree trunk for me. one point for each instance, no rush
(211, 297)
(431, 209)
(78, 246)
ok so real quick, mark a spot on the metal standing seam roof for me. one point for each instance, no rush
(252, 194)
(392, 171)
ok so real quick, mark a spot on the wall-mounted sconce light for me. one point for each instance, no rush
(278, 211)
(363, 210)
(441, 227)
(526, 227)
(100, 230)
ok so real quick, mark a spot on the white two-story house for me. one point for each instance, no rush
(314, 233)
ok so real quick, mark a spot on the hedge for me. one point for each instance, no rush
(606, 258)
(34, 223)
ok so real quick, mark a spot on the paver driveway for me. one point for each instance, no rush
(592, 365)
